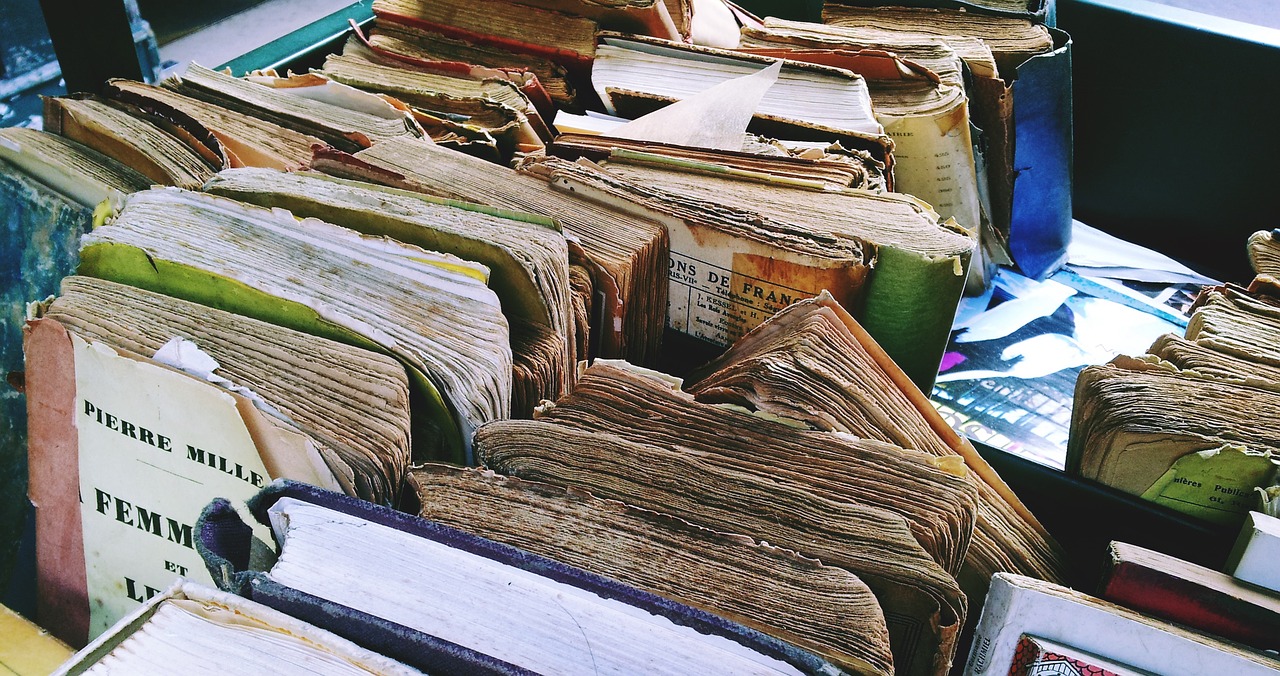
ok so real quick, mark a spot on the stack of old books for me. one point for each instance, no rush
(386, 278)
(1189, 425)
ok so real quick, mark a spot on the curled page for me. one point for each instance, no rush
(715, 118)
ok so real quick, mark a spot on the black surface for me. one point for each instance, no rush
(1175, 147)
(93, 41)
(1085, 516)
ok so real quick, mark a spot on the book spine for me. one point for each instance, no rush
(1176, 599)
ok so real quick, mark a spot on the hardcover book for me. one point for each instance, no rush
(216, 405)
(1017, 605)
(409, 588)
(193, 628)
(1171, 589)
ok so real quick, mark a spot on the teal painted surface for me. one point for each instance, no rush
(302, 45)
(39, 242)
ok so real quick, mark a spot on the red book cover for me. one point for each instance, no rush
(1194, 596)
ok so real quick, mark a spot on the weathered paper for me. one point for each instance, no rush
(155, 447)
(933, 160)
(1216, 485)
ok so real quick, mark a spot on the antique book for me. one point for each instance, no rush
(352, 403)
(821, 608)
(730, 267)
(626, 253)
(919, 95)
(217, 405)
(562, 38)
(1200, 598)
(192, 628)
(399, 40)
(340, 116)
(1264, 253)
(1018, 605)
(249, 140)
(760, 163)
(160, 150)
(434, 312)
(1206, 457)
(1204, 359)
(39, 244)
(911, 291)
(1237, 323)
(814, 363)
(627, 435)
(527, 256)
(71, 168)
(424, 592)
(495, 106)
(635, 75)
(1131, 429)
(1023, 110)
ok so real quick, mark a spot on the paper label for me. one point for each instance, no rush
(1216, 485)
(933, 160)
(155, 448)
(723, 286)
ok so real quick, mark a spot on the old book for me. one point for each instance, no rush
(193, 628)
(565, 39)
(1200, 598)
(308, 104)
(432, 311)
(911, 291)
(814, 169)
(821, 608)
(919, 95)
(71, 168)
(1204, 359)
(352, 403)
(412, 587)
(635, 76)
(1012, 40)
(1264, 253)
(217, 405)
(730, 267)
(494, 105)
(1128, 431)
(162, 151)
(625, 252)
(1024, 111)
(627, 435)
(39, 244)
(814, 363)
(1019, 605)
(405, 41)
(527, 256)
(249, 140)
(1238, 323)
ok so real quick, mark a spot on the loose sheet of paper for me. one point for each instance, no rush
(715, 118)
